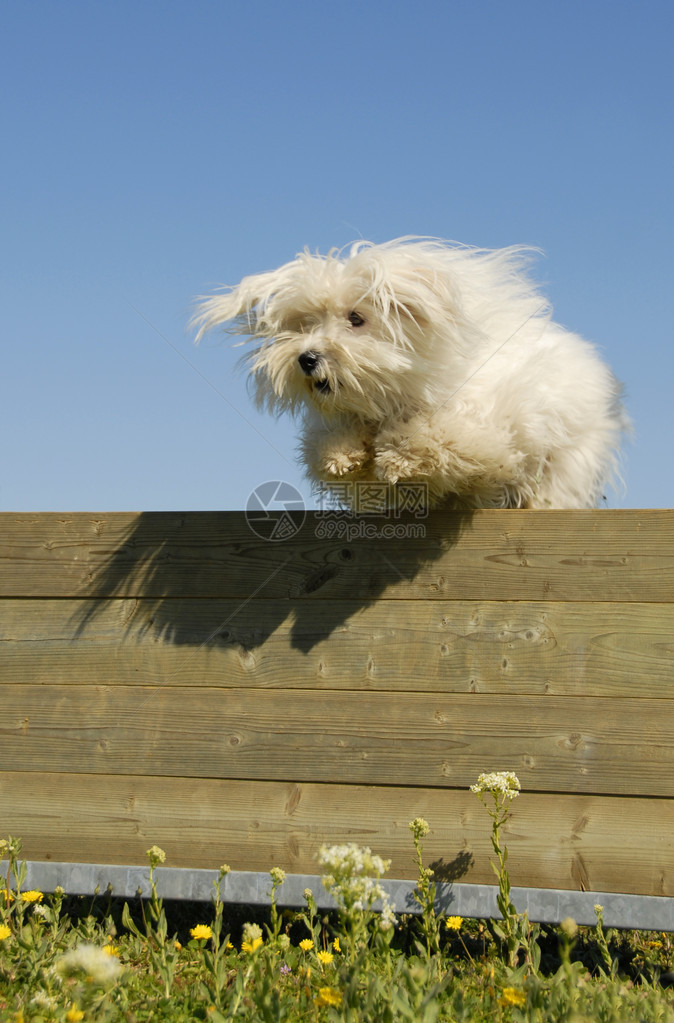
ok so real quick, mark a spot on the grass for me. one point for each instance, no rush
(70, 959)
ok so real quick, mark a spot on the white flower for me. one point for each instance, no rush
(353, 878)
(419, 827)
(97, 964)
(387, 918)
(350, 859)
(251, 932)
(44, 1001)
(504, 783)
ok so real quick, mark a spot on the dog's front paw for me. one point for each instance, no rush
(391, 465)
(341, 462)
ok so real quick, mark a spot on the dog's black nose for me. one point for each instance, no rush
(308, 361)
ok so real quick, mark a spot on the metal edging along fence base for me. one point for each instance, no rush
(544, 905)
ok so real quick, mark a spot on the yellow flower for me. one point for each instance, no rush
(329, 996)
(32, 896)
(337, 947)
(4, 932)
(177, 946)
(110, 950)
(324, 957)
(201, 931)
(511, 996)
(306, 944)
(74, 1015)
(453, 923)
(251, 946)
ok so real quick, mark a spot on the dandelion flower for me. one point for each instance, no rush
(329, 996)
(325, 958)
(453, 923)
(337, 947)
(251, 946)
(74, 1015)
(110, 950)
(201, 932)
(306, 944)
(512, 996)
(32, 896)
(4, 932)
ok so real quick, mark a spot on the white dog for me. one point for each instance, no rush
(426, 361)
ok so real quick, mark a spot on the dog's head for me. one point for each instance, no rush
(373, 332)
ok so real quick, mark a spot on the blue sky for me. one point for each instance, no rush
(154, 150)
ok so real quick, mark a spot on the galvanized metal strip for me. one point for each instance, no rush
(544, 905)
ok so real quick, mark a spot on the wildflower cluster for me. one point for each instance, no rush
(97, 965)
(353, 881)
(499, 783)
(345, 968)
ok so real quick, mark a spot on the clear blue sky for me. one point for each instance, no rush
(152, 150)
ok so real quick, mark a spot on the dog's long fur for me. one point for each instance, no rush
(427, 361)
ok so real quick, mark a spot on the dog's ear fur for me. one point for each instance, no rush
(236, 306)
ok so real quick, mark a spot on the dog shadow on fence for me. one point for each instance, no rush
(207, 580)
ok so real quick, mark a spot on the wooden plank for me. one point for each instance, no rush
(594, 843)
(497, 555)
(510, 648)
(554, 744)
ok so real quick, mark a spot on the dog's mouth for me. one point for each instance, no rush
(322, 386)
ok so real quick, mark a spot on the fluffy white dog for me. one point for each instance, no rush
(426, 361)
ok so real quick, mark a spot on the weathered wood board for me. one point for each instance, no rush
(173, 679)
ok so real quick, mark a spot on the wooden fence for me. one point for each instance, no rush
(175, 679)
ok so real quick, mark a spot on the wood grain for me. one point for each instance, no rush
(171, 678)
(495, 555)
(554, 744)
(594, 843)
(502, 647)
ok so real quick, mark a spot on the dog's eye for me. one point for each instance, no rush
(355, 319)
